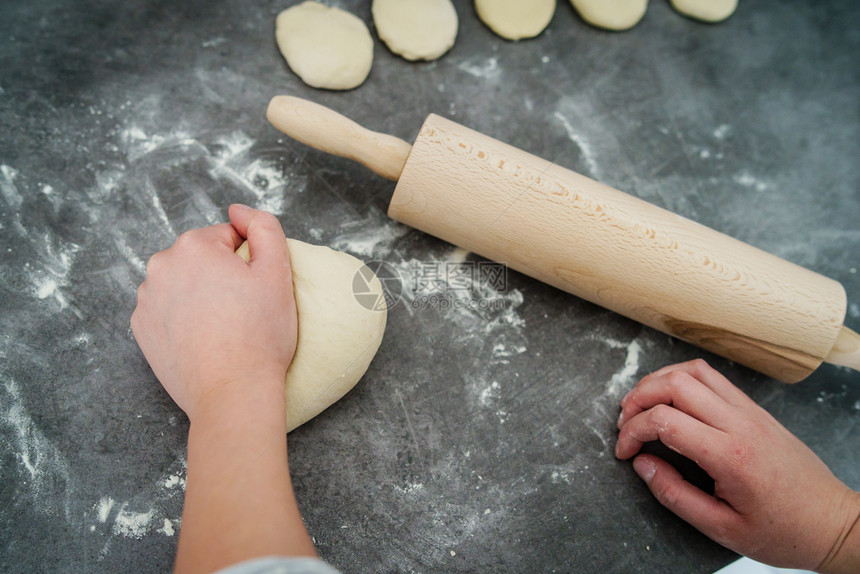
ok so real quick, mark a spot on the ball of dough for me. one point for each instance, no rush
(416, 29)
(706, 10)
(326, 47)
(337, 335)
(611, 14)
(515, 19)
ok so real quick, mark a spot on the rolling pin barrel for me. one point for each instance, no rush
(596, 242)
(618, 251)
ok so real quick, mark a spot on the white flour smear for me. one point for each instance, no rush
(8, 190)
(369, 238)
(485, 70)
(229, 158)
(623, 378)
(41, 469)
(145, 514)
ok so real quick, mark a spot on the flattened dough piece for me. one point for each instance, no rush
(706, 10)
(326, 47)
(337, 337)
(515, 19)
(611, 14)
(416, 29)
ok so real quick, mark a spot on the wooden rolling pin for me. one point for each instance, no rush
(595, 242)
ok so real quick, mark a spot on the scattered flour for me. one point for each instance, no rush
(103, 508)
(137, 524)
(410, 488)
(488, 69)
(48, 274)
(121, 243)
(748, 180)
(167, 529)
(259, 178)
(581, 142)
(7, 186)
(42, 470)
(372, 238)
(132, 524)
(228, 158)
(174, 480)
(138, 143)
(621, 379)
(489, 394)
(722, 131)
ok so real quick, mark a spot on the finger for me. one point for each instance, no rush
(710, 377)
(266, 240)
(221, 233)
(679, 389)
(711, 516)
(679, 431)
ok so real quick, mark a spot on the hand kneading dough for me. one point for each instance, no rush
(707, 10)
(611, 14)
(416, 29)
(337, 336)
(326, 47)
(515, 19)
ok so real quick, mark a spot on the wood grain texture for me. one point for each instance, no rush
(331, 132)
(618, 251)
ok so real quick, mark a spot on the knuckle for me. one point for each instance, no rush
(661, 414)
(152, 264)
(700, 365)
(186, 239)
(266, 222)
(739, 455)
(668, 494)
(678, 380)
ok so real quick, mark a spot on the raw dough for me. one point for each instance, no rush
(416, 29)
(515, 19)
(337, 338)
(612, 14)
(326, 47)
(707, 10)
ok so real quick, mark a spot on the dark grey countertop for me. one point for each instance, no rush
(478, 440)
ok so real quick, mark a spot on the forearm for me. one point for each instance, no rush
(844, 557)
(239, 500)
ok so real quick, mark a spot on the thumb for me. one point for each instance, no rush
(266, 240)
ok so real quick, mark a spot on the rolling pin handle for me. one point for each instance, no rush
(846, 350)
(329, 131)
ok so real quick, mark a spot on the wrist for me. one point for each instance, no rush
(844, 555)
(258, 397)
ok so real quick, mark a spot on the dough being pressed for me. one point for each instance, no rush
(515, 19)
(706, 10)
(326, 47)
(337, 336)
(416, 29)
(612, 14)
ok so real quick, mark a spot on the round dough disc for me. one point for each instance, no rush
(515, 19)
(611, 14)
(416, 29)
(706, 10)
(337, 335)
(326, 47)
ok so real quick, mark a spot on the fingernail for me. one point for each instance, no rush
(241, 207)
(645, 469)
(620, 422)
